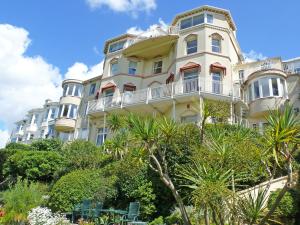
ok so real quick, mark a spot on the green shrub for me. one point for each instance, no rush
(289, 204)
(72, 188)
(20, 199)
(18, 146)
(47, 145)
(82, 155)
(4, 155)
(34, 165)
(157, 221)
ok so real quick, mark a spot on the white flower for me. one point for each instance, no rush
(44, 216)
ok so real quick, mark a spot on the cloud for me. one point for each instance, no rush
(4, 136)
(82, 72)
(253, 56)
(134, 7)
(149, 31)
(25, 81)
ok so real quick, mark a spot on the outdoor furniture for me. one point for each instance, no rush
(133, 213)
(76, 212)
(96, 212)
(85, 209)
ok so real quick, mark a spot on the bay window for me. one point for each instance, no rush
(266, 87)
(68, 111)
(192, 21)
(72, 90)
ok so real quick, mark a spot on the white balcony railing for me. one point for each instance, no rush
(166, 91)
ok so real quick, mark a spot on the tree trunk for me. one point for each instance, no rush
(170, 185)
(206, 216)
(281, 193)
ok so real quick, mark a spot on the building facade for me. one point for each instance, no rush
(171, 72)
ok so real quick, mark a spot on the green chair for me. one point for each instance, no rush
(76, 212)
(96, 212)
(133, 213)
(86, 209)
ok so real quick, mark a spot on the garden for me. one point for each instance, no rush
(181, 174)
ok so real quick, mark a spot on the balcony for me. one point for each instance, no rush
(161, 97)
(152, 43)
(65, 124)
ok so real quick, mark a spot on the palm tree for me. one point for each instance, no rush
(283, 139)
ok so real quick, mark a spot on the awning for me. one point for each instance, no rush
(108, 86)
(170, 79)
(129, 87)
(216, 67)
(190, 65)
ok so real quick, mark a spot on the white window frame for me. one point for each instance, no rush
(101, 131)
(130, 67)
(191, 39)
(114, 63)
(161, 67)
(216, 46)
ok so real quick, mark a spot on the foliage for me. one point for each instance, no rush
(4, 155)
(157, 221)
(34, 165)
(78, 185)
(20, 199)
(220, 110)
(18, 146)
(47, 145)
(175, 217)
(289, 205)
(81, 154)
(44, 216)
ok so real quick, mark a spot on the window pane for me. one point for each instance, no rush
(109, 92)
(132, 68)
(216, 83)
(53, 111)
(191, 46)
(114, 68)
(73, 111)
(92, 89)
(265, 87)
(70, 91)
(190, 75)
(65, 90)
(275, 87)
(46, 115)
(77, 90)
(157, 67)
(282, 86)
(256, 90)
(65, 112)
(250, 92)
(216, 45)
(116, 46)
(198, 19)
(60, 109)
(210, 18)
(186, 23)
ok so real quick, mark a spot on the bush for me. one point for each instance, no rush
(18, 146)
(20, 199)
(44, 216)
(72, 188)
(289, 204)
(157, 221)
(82, 155)
(4, 155)
(34, 165)
(47, 145)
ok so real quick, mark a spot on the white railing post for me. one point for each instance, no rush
(148, 95)
(122, 98)
(199, 87)
(172, 90)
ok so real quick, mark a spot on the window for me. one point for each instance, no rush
(53, 113)
(250, 93)
(190, 81)
(132, 67)
(109, 92)
(114, 68)
(265, 87)
(275, 89)
(190, 75)
(101, 136)
(216, 45)
(73, 111)
(92, 89)
(210, 18)
(46, 115)
(116, 46)
(191, 45)
(50, 133)
(254, 126)
(157, 67)
(189, 119)
(241, 75)
(70, 90)
(77, 91)
(65, 90)
(192, 21)
(216, 82)
(297, 70)
(256, 89)
(82, 133)
(65, 110)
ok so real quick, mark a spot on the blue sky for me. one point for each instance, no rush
(65, 31)
(67, 37)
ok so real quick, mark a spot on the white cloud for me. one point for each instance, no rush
(4, 136)
(82, 72)
(25, 81)
(253, 56)
(149, 31)
(131, 6)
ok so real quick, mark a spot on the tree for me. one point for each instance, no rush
(154, 137)
(47, 145)
(78, 185)
(34, 165)
(283, 138)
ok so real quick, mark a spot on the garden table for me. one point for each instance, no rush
(112, 214)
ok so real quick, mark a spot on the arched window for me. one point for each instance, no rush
(191, 44)
(216, 45)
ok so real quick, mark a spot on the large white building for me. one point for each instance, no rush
(171, 72)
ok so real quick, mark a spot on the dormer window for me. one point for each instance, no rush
(116, 46)
(192, 21)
